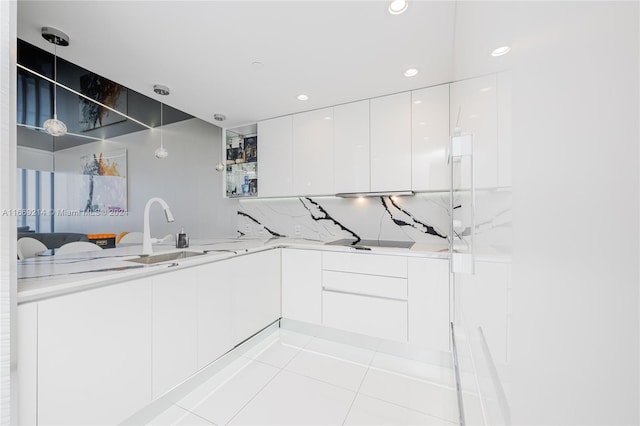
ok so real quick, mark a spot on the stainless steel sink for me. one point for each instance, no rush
(165, 257)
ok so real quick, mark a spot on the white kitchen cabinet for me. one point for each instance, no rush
(391, 142)
(255, 292)
(482, 300)
(275, 154)
(27, 364)
(474, 110)
(361, 263)
(430, 139)
(373, 316)
(429, 318)
(302, 285)
(351, 147)
(214, 311)
(365, 293)
(504, 128)
(175, 337)
(94, 355)
(372, 285)
(313, 152)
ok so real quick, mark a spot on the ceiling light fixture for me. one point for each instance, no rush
(411, 72)
(398, 6)
(219, 117)
(502, 50)
(303, 97)
(161, 90)
(53, 126)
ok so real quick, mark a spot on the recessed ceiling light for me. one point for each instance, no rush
(398, 6)
(485, 89)
(418, 102)
(411, 72)
(303, 97)
(327, 118)
(502, 50)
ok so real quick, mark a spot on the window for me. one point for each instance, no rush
(35, 199)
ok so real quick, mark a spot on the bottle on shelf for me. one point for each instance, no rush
(245, 186)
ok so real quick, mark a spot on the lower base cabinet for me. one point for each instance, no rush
(214, 311)
(429, 296)
(94, 355)
(175, 328)
(255, 292)
(302, 285)
(373, 316)
(98, 356)
(399, 298)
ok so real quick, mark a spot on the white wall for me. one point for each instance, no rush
(575, 326)
(34, 159)
(186, 180)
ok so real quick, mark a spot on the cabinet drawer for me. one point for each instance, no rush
(383, 318)
(372, 264)
(375, 285)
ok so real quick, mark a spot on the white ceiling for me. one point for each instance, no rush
(334, 51)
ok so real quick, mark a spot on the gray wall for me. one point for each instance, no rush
(186, 180)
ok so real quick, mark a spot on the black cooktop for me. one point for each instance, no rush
(372, 243)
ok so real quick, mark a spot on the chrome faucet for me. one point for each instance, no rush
(146, 239)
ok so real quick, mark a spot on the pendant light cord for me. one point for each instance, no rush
(161, 121)
(55, 80)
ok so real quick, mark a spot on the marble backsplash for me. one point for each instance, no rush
(421, 218)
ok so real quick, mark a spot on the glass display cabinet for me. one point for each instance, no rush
(241, 156)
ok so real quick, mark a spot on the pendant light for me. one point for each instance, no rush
(220, 166)
(53, 126)
(161, 90)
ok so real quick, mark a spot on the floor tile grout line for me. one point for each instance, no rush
(415, 378)
(262, 388)
(359, 387)
(319, 380)
(410, 409)
(196, 414)
(389, 402)
(253, 397)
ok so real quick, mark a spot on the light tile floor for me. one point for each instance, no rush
(290, 378)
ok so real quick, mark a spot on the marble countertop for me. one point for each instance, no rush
(44, 277)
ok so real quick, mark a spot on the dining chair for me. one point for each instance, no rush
(30, 247)
(78, 247)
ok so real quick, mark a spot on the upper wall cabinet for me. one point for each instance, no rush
(430, 139)
(474, 110)
(351, 147)
(275, 172)
(313, 152)
(391, 143)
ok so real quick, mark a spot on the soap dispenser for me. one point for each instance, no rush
(182, 240)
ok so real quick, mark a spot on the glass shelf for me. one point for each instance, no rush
(242, 164)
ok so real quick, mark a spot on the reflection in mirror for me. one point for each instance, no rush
(34, 201)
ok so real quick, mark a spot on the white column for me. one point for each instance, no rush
(8, 388)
